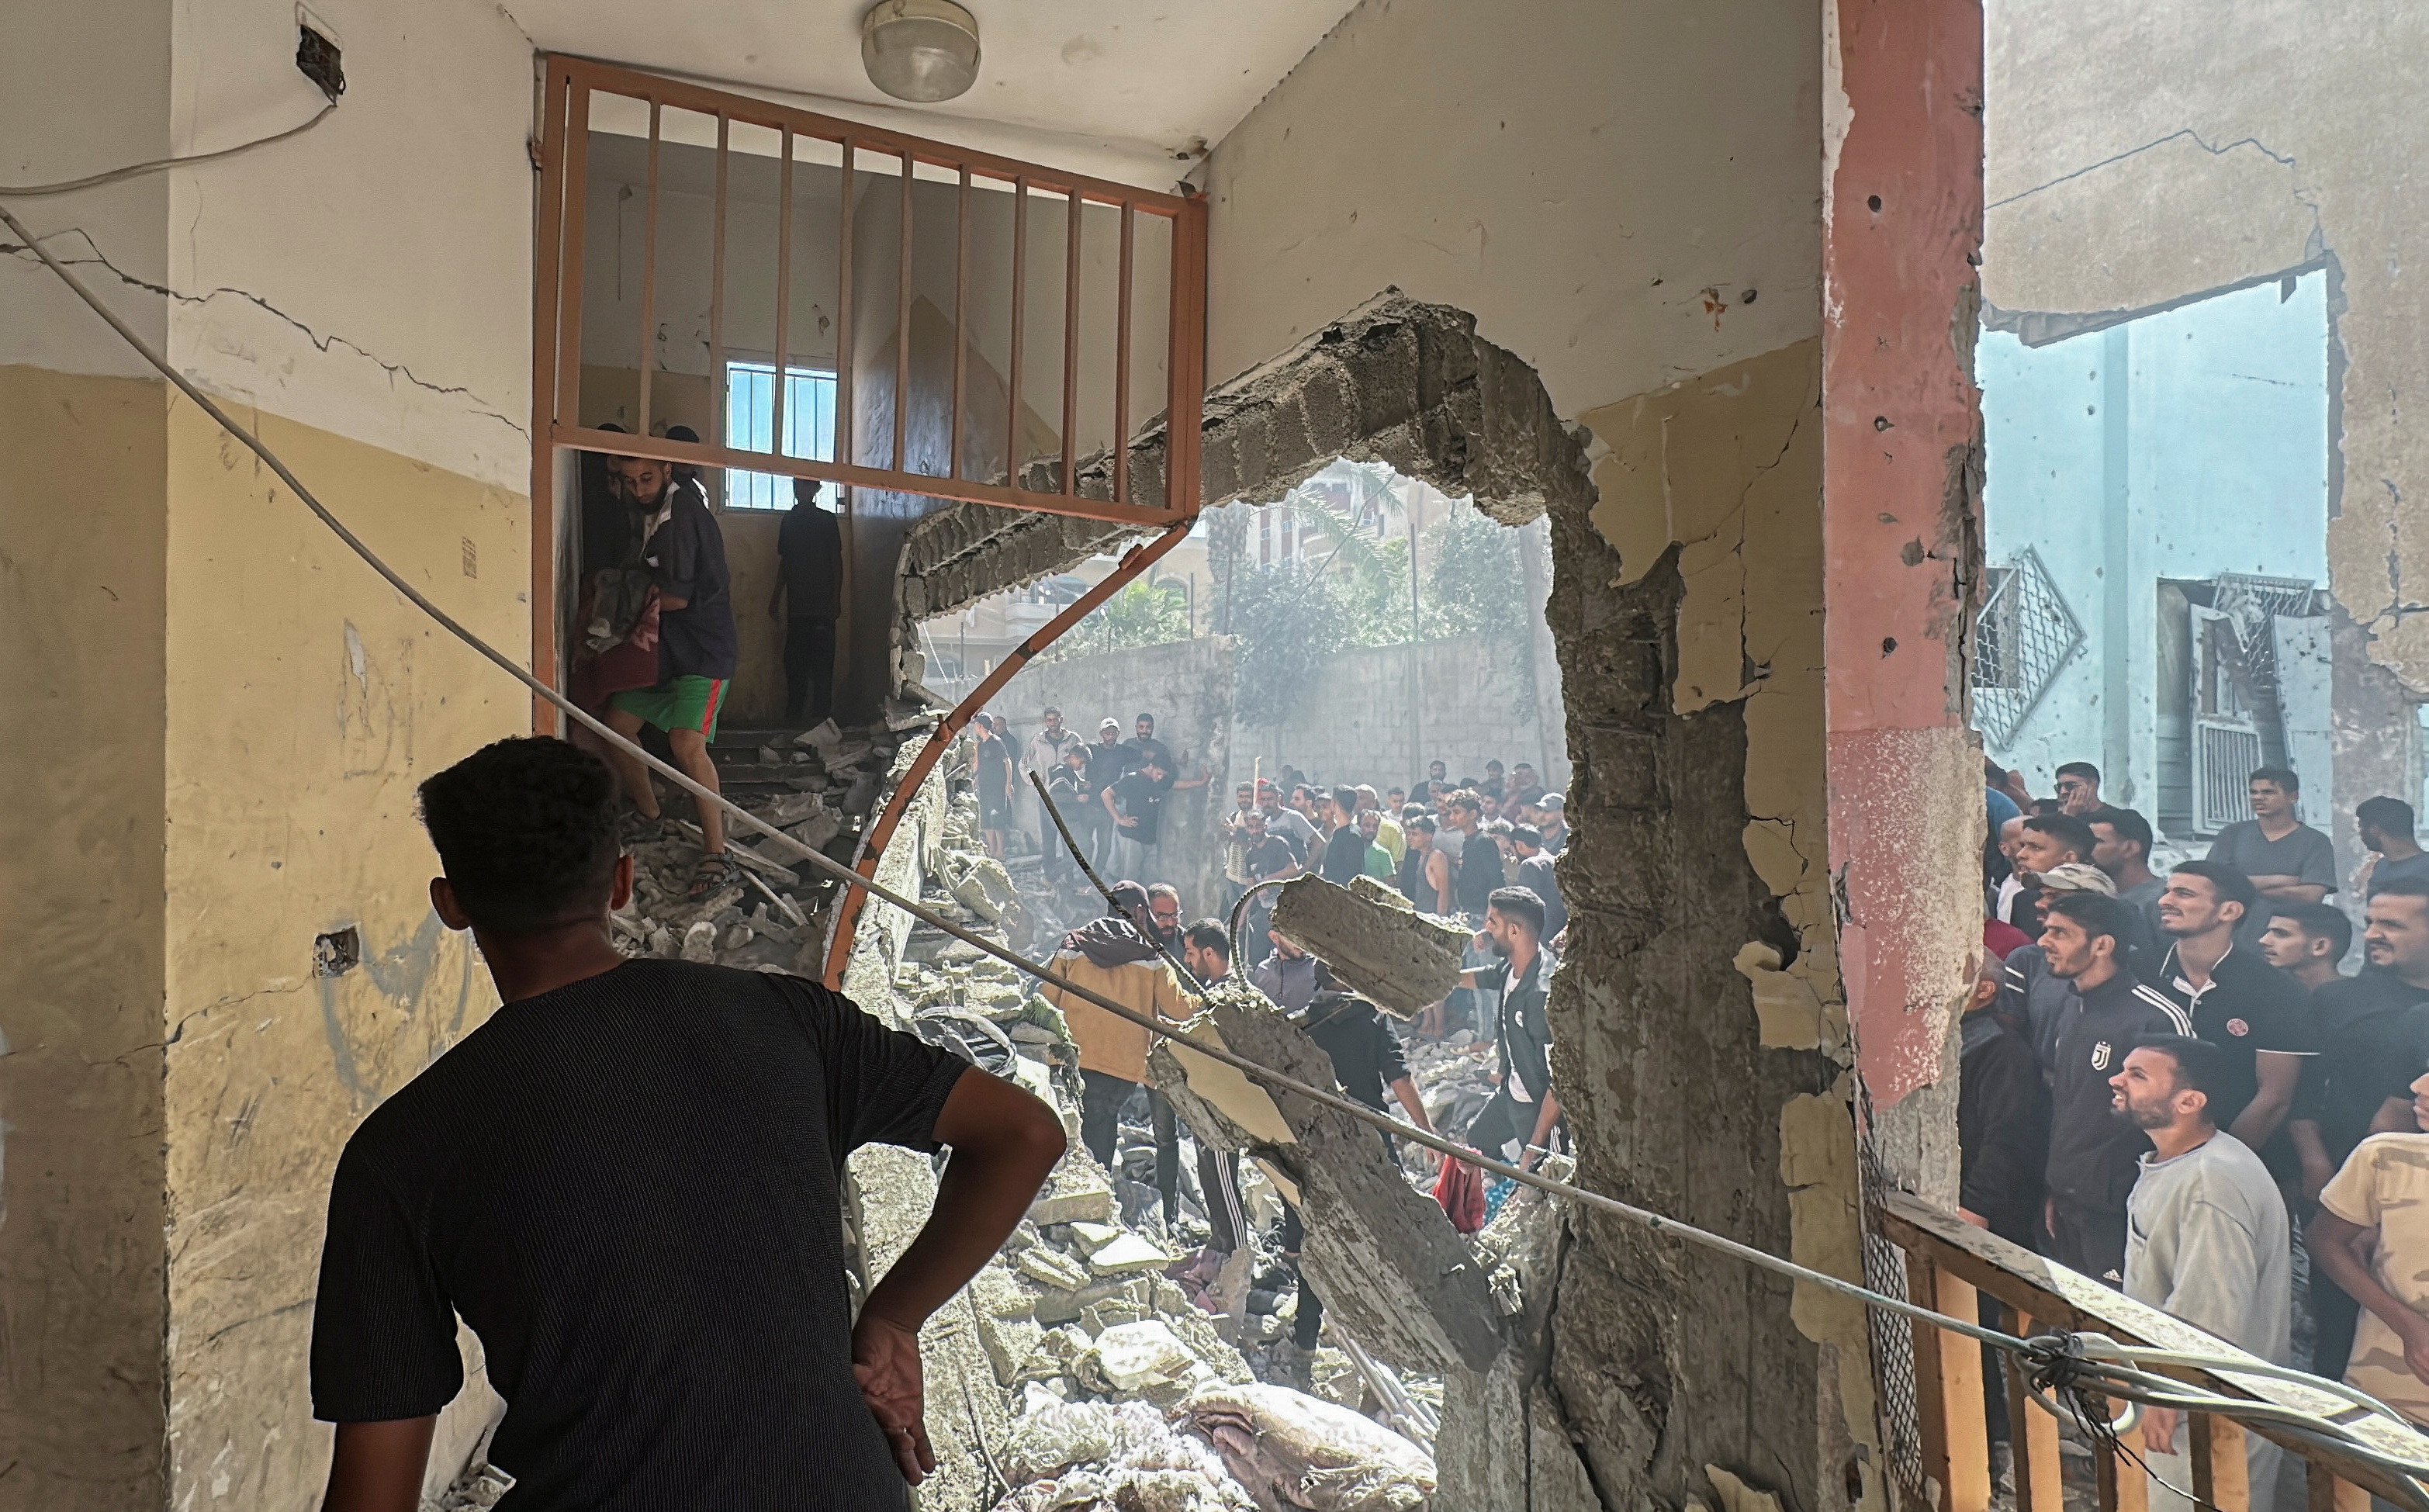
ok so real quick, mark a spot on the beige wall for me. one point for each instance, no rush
(1627, 197)
(82, 603)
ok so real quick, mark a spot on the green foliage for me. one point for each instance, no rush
(1140, 613)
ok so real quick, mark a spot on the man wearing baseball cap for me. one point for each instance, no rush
(2034, 998)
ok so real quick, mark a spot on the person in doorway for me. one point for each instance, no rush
(2386, 826)
(2306, 941)
(2093, 1155)
(546, 1135)
(2250, 1011)
(2002, 1117)
(1345, 848)
(808, 599)
(2120, 846)
(2078, 789)
(1135, 807)
(1206, 950)
(1114, 956)
(2207, 1239)
(2371, 1030)
(1519, 1123)
(2371, 1237)
(697, 641)
(2287, 860)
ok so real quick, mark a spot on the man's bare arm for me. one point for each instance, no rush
(2394, 1116)
(1548, 1115)
(2260, 1118)
(2312, 1151)
(2342, 1250)
(1004, 1142)
(377, 1467)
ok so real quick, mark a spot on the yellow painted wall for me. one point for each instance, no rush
(81, 612)
(305, 701)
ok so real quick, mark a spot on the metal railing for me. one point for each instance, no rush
(1951, 1263)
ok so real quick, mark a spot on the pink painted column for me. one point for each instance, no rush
(1901, 526)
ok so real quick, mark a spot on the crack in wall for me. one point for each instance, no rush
(2186, 134)
(326, 345)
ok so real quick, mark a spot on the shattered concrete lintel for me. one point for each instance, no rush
(1380, 1253)
(1378, 946)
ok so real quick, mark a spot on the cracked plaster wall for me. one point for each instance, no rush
(263, 707)
(2141, 158)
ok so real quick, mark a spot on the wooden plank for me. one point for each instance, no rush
(1967, 1485)
(783, 293)
(2039, 1471)
(1931, 1394)
(2132, 1486)
(2221, 1475)
(648, 282)
(545, 279)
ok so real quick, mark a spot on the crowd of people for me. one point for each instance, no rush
(2171, 1083)
(1478, 850)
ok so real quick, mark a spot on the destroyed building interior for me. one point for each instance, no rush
(1695, 297)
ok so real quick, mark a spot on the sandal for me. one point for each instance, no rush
(712, 874)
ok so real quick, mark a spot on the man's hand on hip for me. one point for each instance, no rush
(885, 1361)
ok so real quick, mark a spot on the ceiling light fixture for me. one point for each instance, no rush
(921, 50)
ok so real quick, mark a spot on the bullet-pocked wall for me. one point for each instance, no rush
(1626, 199)
(223, 713)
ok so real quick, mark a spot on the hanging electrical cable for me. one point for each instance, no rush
(35, 192)
(2080, 1366)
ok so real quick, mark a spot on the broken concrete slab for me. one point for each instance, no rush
(1380, 1253)
(1378, 946)
(1077, 1191)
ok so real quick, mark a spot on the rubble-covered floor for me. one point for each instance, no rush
(1132, 1372)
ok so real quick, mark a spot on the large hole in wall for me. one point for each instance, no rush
(1361, 629)
(1678, 1103)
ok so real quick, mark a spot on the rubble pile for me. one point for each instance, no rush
(772, 915)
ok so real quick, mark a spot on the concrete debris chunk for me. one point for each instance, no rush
(1293, 1450)
(823, 736)
(699, 942)
(1054, 1268)
(1077, 1191)
(1135, 1356)
(1128, 1255)
(1402, 960)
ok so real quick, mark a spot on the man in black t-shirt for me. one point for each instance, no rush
(1344, 850)
(2250, 1009)
(686, 555)
(1075, 798)
(1143, 746)
(1109, 761)
(2373, 1033)
(1135, 807)
(627, 1184)
(809, 599)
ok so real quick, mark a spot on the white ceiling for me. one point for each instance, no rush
(1149, 79)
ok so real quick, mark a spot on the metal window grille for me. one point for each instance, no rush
(809, 430)
(2023, 635)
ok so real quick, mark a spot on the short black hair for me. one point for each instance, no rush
(2230, 883)
(525, 830)
(2066, 829)
(1492, 762)
(2097, 913)
(2387, 816)
(2321, 921)
(2201, 1066)
(1208, 934)
(1518, 903)
(2401, 887)
(2083, 769)
(1525, 835)
(2283, 775)
(2130, 826)
(1346, 797)
(1419, 820)
(1143, 718)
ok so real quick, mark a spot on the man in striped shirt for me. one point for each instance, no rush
(2093, 1151)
